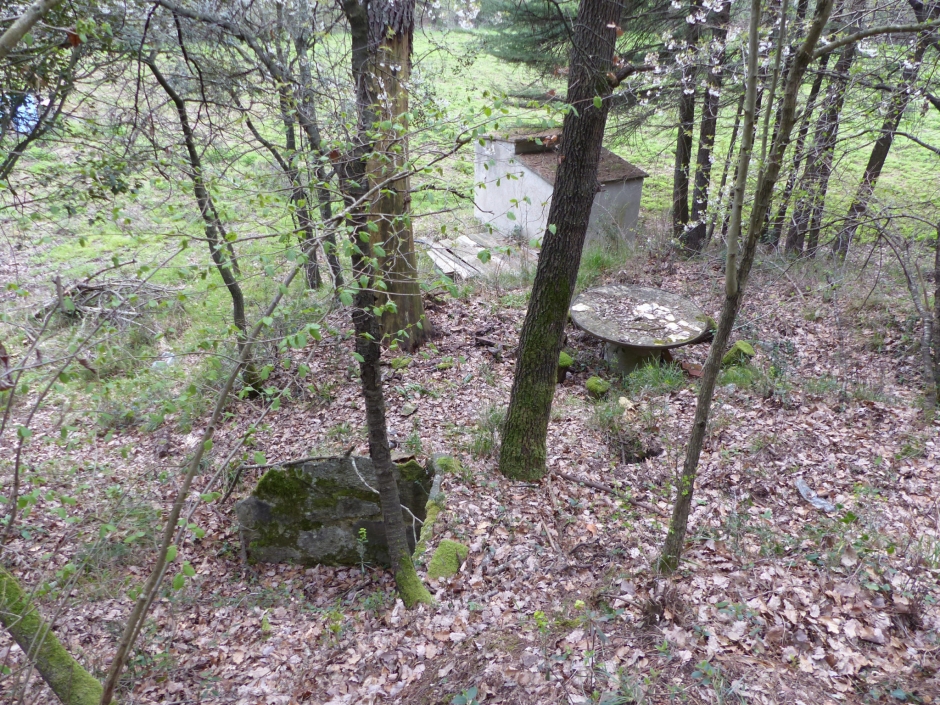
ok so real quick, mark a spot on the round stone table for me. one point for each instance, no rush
(638, 324)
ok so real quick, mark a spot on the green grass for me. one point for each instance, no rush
(654, 380)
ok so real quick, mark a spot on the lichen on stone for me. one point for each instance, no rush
(447, 559)
(597, 387)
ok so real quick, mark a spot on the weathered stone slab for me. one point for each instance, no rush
(312, 513)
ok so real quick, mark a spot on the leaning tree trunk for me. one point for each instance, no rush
(687, 94)
(368, 32)
(384, 30)
(215, 231)
(693, 237)
(522, 455)
(879, 153)
(736, 276)
(71, 683)
(815, 181)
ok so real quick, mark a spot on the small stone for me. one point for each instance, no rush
(408, 409)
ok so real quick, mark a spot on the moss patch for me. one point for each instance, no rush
(410, 588)
(68, 680)
(739, 354)
(447, 559)
(597, 387)
(565, 360)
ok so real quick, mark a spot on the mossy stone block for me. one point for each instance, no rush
(597, 387)
(447, 559)
(311, 513)
(739, 354)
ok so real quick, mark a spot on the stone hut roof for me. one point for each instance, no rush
(539, 153)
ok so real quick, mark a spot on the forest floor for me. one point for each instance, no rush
(776, 601)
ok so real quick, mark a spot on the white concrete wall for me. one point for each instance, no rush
(501, 179)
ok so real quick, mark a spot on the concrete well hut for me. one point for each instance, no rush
(516, 174)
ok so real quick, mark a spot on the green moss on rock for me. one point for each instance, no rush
(447, 559)
(597, 387)
(739, 354)
(565, 360)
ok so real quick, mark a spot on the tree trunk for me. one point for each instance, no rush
(298, 194)
(384, 30)
(736, 278)
(71, 683)
(815, 181)
(776, 226)
(354, 176)
(307, 117)
(936, 310)
(693, 237)
(687, 94)
(879, 153)
(215, 231)
(724, 171)
(522, 455)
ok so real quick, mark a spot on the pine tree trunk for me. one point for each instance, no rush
(736, 277)
(522, 455)
(879, 153)
(693, 237)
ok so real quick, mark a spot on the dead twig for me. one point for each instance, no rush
(610, 490)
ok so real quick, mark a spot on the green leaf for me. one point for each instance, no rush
(484, 256)
(359, 358)
(379, 250)
(510, 215)
(188, 569)
(23, 432)
(260, 459)
(598, 102)
(207, 446)
(171, 553)
(179, 581)
(552, 228)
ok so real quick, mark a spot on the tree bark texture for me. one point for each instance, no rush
(215, 231)
(693, 237)
(382, 38)
(522, 455)
(804, 228)
(678, 526)
(879, 153)
(71, 683)
(687, 95)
